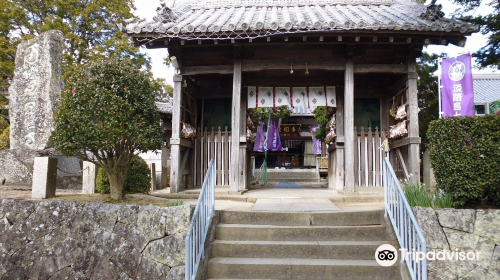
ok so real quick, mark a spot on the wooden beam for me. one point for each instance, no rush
(349, 124)
(329, 65)
(405, 142)
(293, 80)
(403, 164)
(216, 69)
(380, 68)
(235, 127)
(182, 142)
(259, 65)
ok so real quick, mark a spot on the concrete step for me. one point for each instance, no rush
(299, 233)
(347, 250)
(299, 269)
(296, 180)
(292, 175)
(302, 219)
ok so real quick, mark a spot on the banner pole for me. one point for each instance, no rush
(440, 112)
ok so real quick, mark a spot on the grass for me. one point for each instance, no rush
(443, 200)
(419, 195)
(177, 202)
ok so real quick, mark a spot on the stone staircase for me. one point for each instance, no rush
(292, 175)
(299, 246)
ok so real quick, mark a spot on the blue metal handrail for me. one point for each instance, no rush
(405, 224)
(200, 223)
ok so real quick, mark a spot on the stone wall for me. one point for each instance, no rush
(463, 230)
(68, 240)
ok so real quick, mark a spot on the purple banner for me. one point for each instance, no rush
(260, 139)
(316, 142)
(457, 91)
(273, 136)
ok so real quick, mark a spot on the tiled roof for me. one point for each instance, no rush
(486, 88)
(220, 19)
(164, 107)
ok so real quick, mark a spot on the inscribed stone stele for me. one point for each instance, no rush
(35, 91)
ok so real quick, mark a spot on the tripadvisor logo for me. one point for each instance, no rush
(387, 255)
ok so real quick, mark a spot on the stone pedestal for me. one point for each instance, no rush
(16, 167)
(89, 177)
(152, 169)
(44, 177)
(428, 172)
(165, 167)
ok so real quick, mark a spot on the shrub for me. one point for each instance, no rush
(138, 178)
(107, 114)
(465, 155)
(3, 124)
(4, 138)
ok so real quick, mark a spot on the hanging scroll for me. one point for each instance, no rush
(317, 96)
(282, 96)
(265, 97)
(331, 97)
(303, 99)
(252, 97)
(300, 100)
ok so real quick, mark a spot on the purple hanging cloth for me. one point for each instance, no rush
(273, 136)
(260, 139)
(457, 86)
(316, 142)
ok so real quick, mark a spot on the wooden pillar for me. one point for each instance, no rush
(244, 155)
(192, 157)
(412, 98)
(336, 153)
(340, 155)
(234, 172)
(349, 124)
(175, 148)
(331, 167)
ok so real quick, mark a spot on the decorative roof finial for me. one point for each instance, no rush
(165, 14)
(433, 12)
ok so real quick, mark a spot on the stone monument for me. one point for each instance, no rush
(35, 93)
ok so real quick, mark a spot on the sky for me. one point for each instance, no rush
(147, 9)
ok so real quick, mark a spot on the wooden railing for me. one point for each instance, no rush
(368, 157)
(214, 144)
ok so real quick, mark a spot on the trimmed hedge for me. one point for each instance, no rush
(138, 178)
(465, 155)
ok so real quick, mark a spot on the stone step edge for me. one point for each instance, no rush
(301, 243)
(251, 226)
(295, 261)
